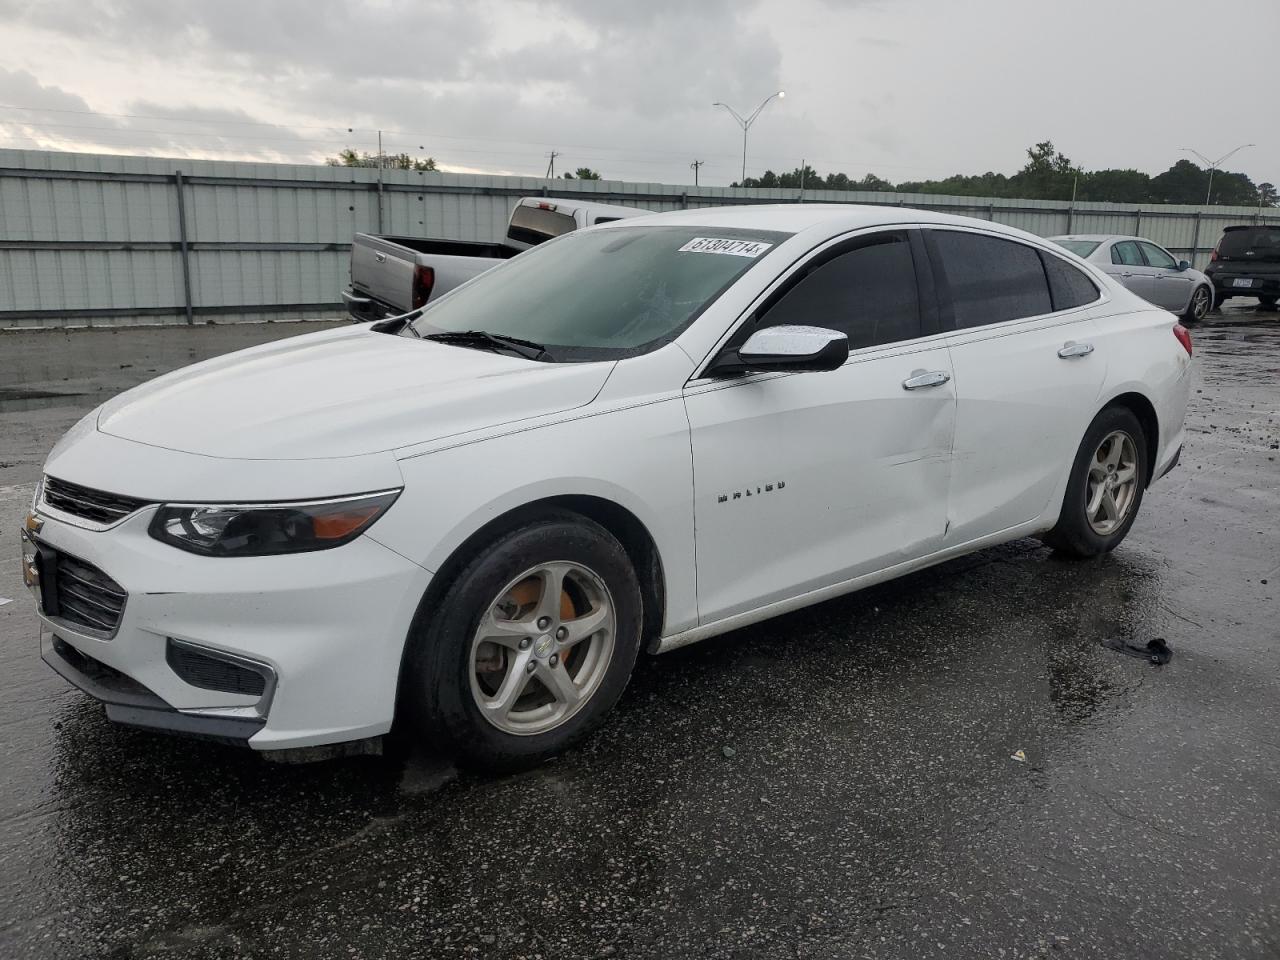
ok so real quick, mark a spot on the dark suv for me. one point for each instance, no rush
(1246, 263)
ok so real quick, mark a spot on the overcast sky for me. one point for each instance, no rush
(906, 89)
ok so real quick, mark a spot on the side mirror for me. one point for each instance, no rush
(794, 348)
(1184, 264)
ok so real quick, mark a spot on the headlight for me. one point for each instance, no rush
(262, 529)
(35, 497)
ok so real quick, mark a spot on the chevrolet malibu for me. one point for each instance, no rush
(470, 520)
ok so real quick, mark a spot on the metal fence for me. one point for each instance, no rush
(101, 240)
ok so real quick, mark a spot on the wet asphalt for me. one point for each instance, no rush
(839, 782)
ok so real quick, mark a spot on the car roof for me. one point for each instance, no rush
(798, 217)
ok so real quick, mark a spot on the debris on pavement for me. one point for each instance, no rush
(1020, 755)
(1156, 651)
(729, 751)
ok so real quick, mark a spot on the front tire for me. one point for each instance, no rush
(1200, 304)
(532, 644)
(1104, 491)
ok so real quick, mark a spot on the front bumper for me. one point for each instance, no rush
(326, 628)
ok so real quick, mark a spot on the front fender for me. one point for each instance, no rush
(638, 458)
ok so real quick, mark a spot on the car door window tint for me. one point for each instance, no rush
(991, 280)
(1126, 252)
(1158, 258)
(1068, 286)
(869, 293)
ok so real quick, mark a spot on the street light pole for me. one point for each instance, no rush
(747, 122)
(1214, 164)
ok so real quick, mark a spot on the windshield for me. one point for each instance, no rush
(1253, 243)
(1081, 248)
(603, 294)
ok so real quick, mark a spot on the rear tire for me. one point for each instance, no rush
(1200, 304)
(511, 702)
(1103, 496)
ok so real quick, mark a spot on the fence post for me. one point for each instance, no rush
(182, 245)
(1137, 224)
(1071, 217)
(1195, 237)
(684, 200)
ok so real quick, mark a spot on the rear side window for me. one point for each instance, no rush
(1157, 257)
(1126, 252)
(1068, 285)
(1252, 243)
(991, 280)
(868, 293)
(534, 225)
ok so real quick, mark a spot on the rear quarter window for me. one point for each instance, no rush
(1068, 285)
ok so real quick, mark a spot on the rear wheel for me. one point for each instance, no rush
(1200, 305)
(1105, 488)
(533, 642)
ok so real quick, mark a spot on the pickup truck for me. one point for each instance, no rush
(393, 275)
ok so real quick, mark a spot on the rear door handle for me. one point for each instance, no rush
(921, 378)
(1072, 349)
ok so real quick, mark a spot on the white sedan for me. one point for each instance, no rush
(1148, 269)
(473, 518)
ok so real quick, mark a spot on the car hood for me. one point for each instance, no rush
(340, 394)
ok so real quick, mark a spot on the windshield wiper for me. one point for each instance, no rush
(493, 341)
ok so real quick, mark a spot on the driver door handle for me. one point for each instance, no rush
(1071, 349)
(921, 378)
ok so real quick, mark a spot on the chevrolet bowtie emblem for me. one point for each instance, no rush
(33, 523)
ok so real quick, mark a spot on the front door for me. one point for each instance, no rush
(1131, 267)
(1171, 286)
(804, 480)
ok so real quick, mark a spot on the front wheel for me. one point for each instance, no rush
(1200, 305)
(1105, 488)
(533, 642)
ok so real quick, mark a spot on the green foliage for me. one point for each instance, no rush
(1049, 175)
(391, 161)
(583, 173)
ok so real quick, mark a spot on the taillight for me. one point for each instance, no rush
(1184, 337)
(424, 278)
(1213, 256)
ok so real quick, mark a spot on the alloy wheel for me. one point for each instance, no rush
(1200, 304)
(1113, 482)
(542, 648)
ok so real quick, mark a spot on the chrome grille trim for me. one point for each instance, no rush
(95, 506)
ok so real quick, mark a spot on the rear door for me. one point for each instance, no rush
(1132, 269)
(1171, 287)
(808, 479)
(1026, 375)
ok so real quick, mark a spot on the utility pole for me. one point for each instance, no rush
(746, 123)
(551, 165)
(695, 165)
(1215, 164)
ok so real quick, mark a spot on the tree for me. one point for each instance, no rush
(1267, 195)
(390, 161)
(1115, 186)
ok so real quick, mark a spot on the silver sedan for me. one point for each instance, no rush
(1148, 269)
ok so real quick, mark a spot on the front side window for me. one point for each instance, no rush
(868, 293)
(990, 279)
(1158, 258)
(1126, 252)
(603, 294)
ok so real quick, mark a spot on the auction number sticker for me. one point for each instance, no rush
(733, 248)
